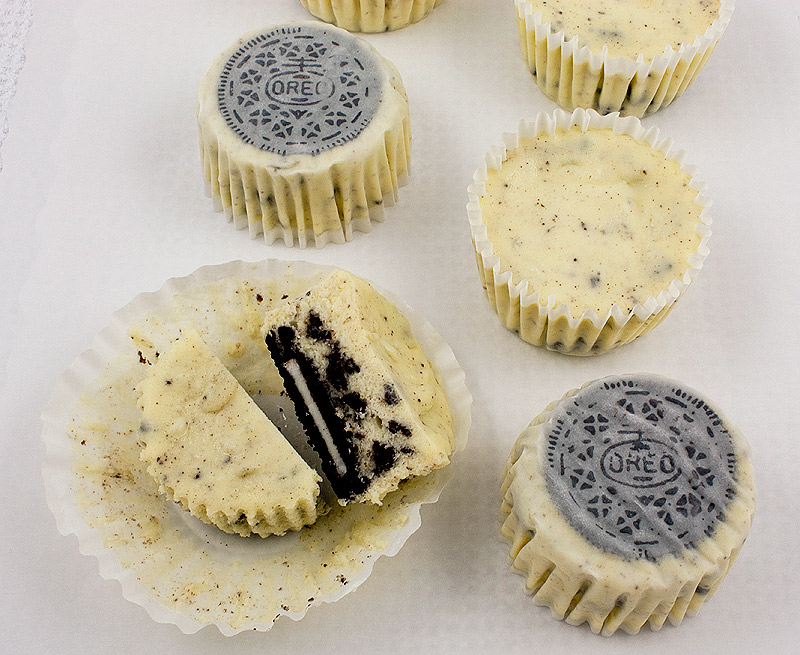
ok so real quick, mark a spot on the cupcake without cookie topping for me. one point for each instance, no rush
(181, 570)
(586, 230)
(626, 502)
(631, 56)
(304, 134)
(371, 15)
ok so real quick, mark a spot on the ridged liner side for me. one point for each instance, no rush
(246, 521)
(539, 321)
(370, 15)
(571, 75)
(582, 584)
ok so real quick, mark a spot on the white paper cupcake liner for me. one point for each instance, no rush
(582, 584)
(177, 568)
(571, 75)
(305, 199)
(539, 321)
(370, 15)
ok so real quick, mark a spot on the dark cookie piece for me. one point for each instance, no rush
(340, 367)
(398, 428)
(384, 456)
(340, 458)
(315, 330)
(390, 396)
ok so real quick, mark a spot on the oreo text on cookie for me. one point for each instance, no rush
(299, 88)
(640, 462)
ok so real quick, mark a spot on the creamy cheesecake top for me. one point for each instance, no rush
(629, 27)
(594, 219)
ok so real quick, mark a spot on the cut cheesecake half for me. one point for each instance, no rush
(369, 399)
(213, 450)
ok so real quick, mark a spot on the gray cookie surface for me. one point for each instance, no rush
(300, 89)
(639, 466)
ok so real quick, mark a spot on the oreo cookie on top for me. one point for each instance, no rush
(626, 502)
(304, 133)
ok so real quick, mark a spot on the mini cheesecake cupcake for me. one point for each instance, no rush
(304, 133)
(115, 502)
(212, 450)
(626, 502)
(586, 230)
(370, 15)
(631, 56)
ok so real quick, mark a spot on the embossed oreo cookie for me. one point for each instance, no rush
(299, 90)
(640, 467)
(626, 501)
(304, 133)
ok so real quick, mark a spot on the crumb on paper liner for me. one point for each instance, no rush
(540, 321)
(176, 567)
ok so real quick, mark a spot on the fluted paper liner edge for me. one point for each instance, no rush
(558, 327)
(177, 568)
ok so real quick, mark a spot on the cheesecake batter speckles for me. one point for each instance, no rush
(640, 467)
(213, 451)
(594, 218)
(629, 27)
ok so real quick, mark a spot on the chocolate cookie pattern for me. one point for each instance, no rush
(639, 467)
(299, 90)
(349, 459)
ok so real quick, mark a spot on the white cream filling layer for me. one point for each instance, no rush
(293, 369)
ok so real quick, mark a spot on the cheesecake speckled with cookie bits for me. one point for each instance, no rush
(371, 15)
(626, 502)
(631, 56)
(371, 402)
(587, 230)
(213, 451)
